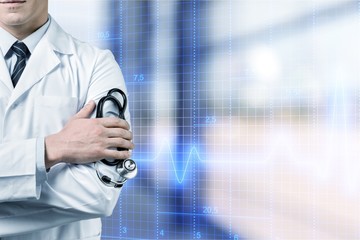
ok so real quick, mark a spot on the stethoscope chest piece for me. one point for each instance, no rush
(126, 169)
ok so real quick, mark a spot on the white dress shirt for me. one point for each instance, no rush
(7, 40)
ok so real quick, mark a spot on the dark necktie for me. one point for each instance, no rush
(21, 52)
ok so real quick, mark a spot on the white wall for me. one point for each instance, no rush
(84, 19)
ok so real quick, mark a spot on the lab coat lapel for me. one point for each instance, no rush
(43, 60)
(4, 74)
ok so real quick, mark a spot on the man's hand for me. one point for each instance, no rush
(85, 140)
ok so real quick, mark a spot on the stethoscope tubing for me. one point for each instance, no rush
(121, 110)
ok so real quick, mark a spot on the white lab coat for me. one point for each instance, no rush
(61, 75)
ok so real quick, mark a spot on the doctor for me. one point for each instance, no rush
(49, 83)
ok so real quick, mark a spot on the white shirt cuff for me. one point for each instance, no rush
(41, 175)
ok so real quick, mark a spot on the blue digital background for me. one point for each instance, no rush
(245, 115)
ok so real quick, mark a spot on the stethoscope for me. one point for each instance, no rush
(126, 168)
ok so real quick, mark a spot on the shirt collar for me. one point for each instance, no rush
(7, 40)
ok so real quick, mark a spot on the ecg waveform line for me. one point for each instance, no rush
(179, 177)
(193, 151)
(282, 146)
(270, 153)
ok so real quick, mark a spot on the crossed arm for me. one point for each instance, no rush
(85, 140)
(72, 190)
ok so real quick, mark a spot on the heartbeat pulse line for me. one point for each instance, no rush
(274, 148)
(193, 152)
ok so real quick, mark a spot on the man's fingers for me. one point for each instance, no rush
(120, 143)
(118, 133)
(86, 111)
(114, 154)
(112, 122)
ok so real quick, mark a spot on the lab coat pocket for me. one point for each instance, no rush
(52, 113)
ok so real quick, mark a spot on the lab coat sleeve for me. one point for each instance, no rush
(22, 169)
(72, 192)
